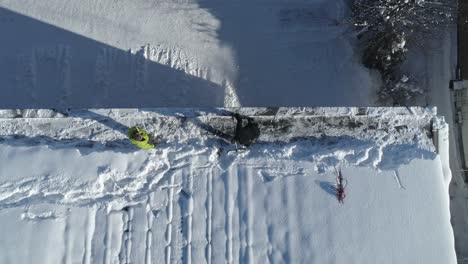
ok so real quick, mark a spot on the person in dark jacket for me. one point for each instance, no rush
(248, 134)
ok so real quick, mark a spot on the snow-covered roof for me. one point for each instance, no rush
(73, 189)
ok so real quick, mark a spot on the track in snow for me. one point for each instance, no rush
(195, 198)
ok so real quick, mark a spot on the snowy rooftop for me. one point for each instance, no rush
(73, 189)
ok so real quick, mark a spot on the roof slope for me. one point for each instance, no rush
(71, 183)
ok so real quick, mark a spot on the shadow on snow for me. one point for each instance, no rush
(44, 66)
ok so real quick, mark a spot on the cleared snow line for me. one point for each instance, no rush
(189, 216)
(186, 211)
(66, 240)
(107, 239)
(91, 227)
(85, 241)
(170, 215)
(396, 175)
(149, 242)
(130, 234)
(149, 232)
(123, 244)
(269, 230)
(250, 236)
(126, 242)
(209, 215)
(228, 209)
(288, 192)
(242, 205)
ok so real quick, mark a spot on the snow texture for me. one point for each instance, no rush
(191, 53)
(73, 190)
(437, 65)
(197, 198)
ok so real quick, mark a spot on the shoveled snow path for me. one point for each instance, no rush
(102, 165)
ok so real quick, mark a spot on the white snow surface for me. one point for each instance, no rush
(74, 190)
(191, 53)
(435, 64)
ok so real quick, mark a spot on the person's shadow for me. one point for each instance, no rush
(328, 187)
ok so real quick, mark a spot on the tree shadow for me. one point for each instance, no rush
(44, 66)
(304, 48)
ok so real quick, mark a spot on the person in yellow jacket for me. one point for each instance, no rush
(139, 138)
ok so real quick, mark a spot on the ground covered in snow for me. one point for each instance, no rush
(179, 53)
(435, 64)
(71, 183)
(74, 190)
